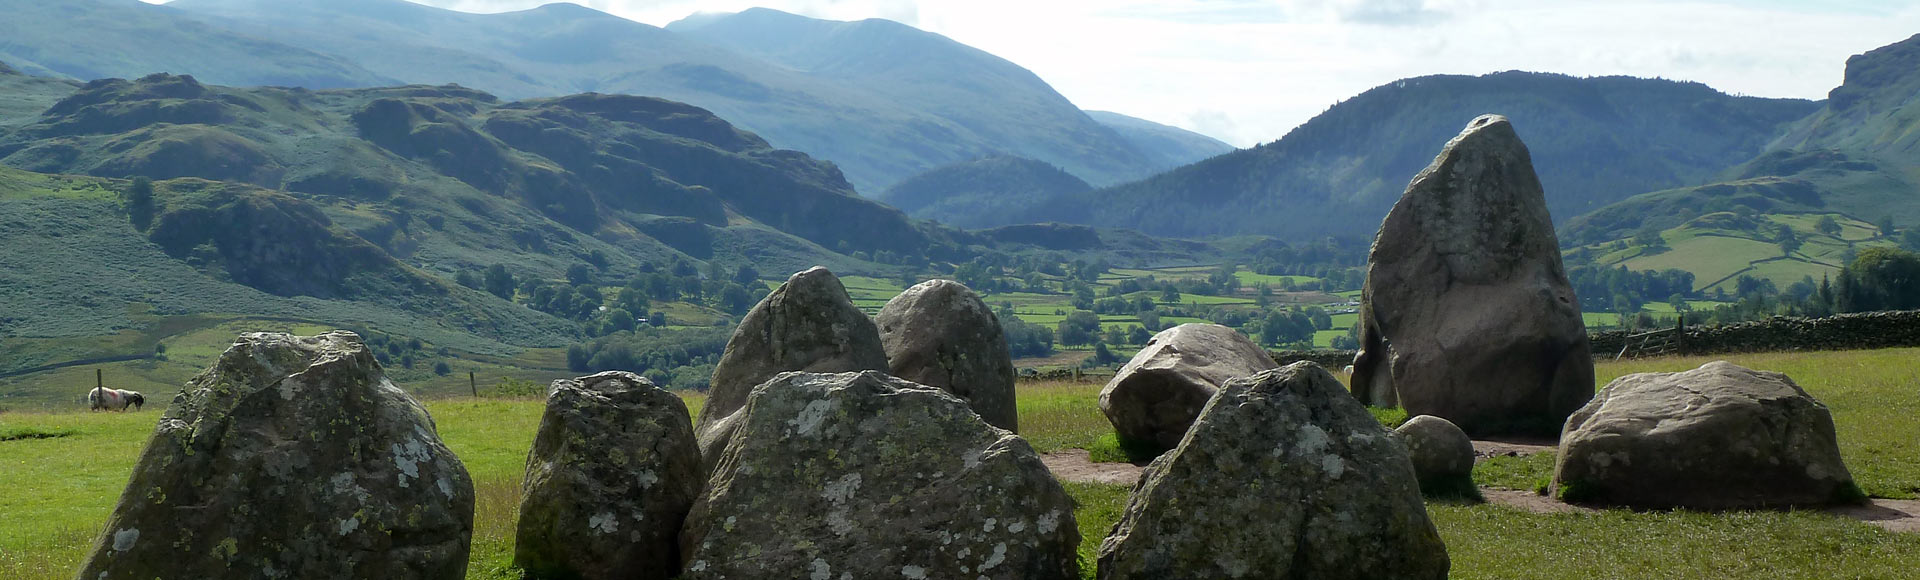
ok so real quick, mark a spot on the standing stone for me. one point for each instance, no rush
(1155, 397)
(1283, 476)
(808, 324)
(612, 473)
(863, 475)
(1442, 457)
(940, 334)
(1714, 438)
(291, 457)
(1467, 314)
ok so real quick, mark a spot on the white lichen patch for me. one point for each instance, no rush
(1048, 522)
(841, 490)
(1312, 441)
(347, 526)
(124, 540)
(913, 572)
(1017, 526)
(603, 523)
(407, 458)
(998, 556)
(289, 388)
(1333, 465)
(647, 479)
(446, 487)
(816, 412)
(988, 527)
(819, 570)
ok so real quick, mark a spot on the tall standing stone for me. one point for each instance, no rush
(940, 334)
(1154, 398)
(292, 457)
(808, 324)
(1283, 476)
(1467, 314)
(612, 473)
(863, 475)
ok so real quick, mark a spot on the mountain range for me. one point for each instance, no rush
(916, 99)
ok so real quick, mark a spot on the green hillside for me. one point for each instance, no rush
(982, 192)
(1169, 147)
(94, 39)
(879, 120)
(1594, 141)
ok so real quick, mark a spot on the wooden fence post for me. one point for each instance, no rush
(473, 384)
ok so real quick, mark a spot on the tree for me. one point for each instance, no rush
(1827, 226)
(140, 203)
(1103, 356)
(577, 358)
(1080, 327)
(1880, 279)
(466, 278)
(499, 281)
(734, 299)
(1679, 303)
(441, 368)
(1649, 236)
(1150, 319)
(1885, 223)
(746, 275)
(578, 274)
(1789, 242)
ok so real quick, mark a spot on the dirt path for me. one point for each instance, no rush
(1896, 515)
(1077, 465)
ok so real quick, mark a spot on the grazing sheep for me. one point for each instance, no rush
(102, 398)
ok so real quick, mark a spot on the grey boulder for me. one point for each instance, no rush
(1442, 457)
(807, 324)
(1155, 397)
(863, 475)
(1467, 313)
(1717, 437)
(1283, 476)
(611, 476)
(291, 457)
(940, 334)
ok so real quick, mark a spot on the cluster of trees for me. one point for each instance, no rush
(673, 358)
(1877, 279)
(1623, 290)
(605, 306)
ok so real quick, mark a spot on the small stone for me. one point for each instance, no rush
(1442, 457)
(291, 454)
(1718, 437)
(893, 475)
(589, 515)
(1154, 398)
(1284, 475)
(807, 324)
(940, 334)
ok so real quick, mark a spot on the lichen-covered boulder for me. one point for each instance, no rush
(1283, 476)
(1717, 437)
(611, 476)
(1442, 457)
(807, 324)
(1154, 398)
(940, 334)
(863, 475)
(292, 457)
(1467, 313)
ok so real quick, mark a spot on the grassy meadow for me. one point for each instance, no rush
(60, 475)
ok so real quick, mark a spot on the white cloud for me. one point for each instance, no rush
(1247, 71)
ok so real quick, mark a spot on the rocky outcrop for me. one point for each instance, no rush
(1467, 314)
(1155, 397)
(863, 475)
(1442, 457)
(1283, 476)
(1716, 437)
(808, 324)
(611, 476)
(940, 334)
(292, 457)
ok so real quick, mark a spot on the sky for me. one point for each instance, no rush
(1248, 71)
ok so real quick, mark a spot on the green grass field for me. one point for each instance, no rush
(60, 474)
